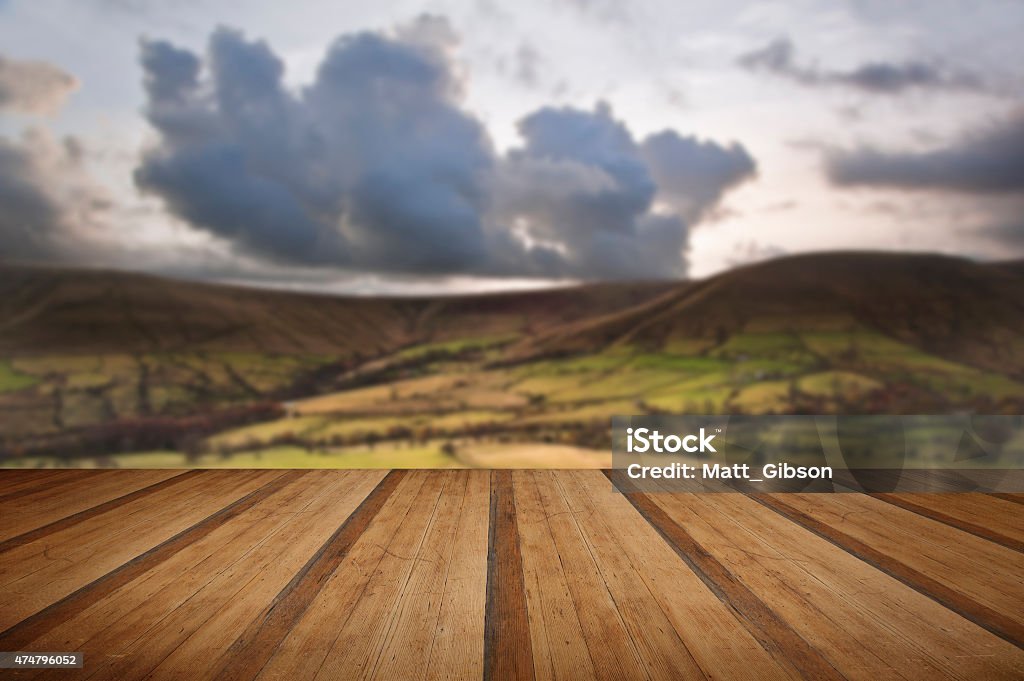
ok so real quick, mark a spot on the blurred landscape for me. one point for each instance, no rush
(127, 370)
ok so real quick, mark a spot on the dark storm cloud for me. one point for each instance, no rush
(583, 183)
(779, 57)
(985, 166)
(580, 185)
(1008, 233)
(694, 174)
(375, 166)
(989, 160)
(29, 217)
(47, 203)
(371, 164)
(33, 87)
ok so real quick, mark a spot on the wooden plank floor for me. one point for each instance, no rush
(501, 575)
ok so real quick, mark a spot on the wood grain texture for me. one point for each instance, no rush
(251, 650)
(987, 526)
(868, 604)
(711, 630)
(500, 574)
(51, 485)
(856, 643)
(457, 648)
(994, 620)
(30, 628)
(65, 521)
(137, 626)
(775, 635)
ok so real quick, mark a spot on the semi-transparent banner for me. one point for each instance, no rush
(949, 453)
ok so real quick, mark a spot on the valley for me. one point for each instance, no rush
(91, 375)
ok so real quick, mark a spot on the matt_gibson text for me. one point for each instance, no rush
(736, 471)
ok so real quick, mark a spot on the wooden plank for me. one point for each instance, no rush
(507, 650)
(457, 648)
(272, 565)
(559, 648)
(950, 596)
(1014, 498)
(109, 632)
(857, 645)
(52, 486)
(44, 572)
(937, 546)
(711, 632)
(29, 628)
(663, 653)
(167, 480)
(960, 648)
(978, 514)
(13, 480)
(603, 593)
(987, 572)
(78, 554)
(778, 638)
(612, 650)
(175, 613)
(253, 648)
(304, 648)
(405, 651)
(26, 514)
(359, 641)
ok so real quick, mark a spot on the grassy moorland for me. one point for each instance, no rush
(119, 370)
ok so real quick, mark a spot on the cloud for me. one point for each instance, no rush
(987, 161)
(982, 170)
(877, 77)
(580, 187)
(1009, 232)
(376, 166)
(692, 174)
(608, 203)
(30, 217)
(33, 87)
(48, 204)
(372, 164)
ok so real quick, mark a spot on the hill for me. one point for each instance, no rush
(955, 308)
(47, 311)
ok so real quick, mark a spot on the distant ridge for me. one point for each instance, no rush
(86, 311)
(951, 307)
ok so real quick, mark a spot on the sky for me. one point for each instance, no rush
(456, 146)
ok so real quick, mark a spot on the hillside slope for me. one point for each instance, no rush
(950, 307)
(45, 311)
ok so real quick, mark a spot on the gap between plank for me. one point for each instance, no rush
(965, 606)
(48, 485)
(18, 636)
(1014, 498)
(89, 513)
(783, 643)
(508, 650)
(951, 521)
(254, 647)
